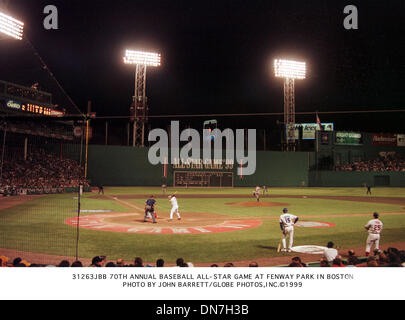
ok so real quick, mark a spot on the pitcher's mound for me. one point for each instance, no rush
(258, 204)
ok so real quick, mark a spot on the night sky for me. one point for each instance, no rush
(217, 58)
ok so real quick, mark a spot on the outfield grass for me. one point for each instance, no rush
(305, 191)
(38, 225)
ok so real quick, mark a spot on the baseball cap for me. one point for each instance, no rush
(285, 210)
(96, 259)
(16, 261)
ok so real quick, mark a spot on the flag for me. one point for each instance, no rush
(165, 169)
(318, 121)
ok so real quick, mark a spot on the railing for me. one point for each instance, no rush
(11, 90)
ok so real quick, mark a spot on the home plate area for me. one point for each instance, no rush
(191, 223)
(309, 249)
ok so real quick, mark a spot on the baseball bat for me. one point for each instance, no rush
(279, 246)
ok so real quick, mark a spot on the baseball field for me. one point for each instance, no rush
(217, 225)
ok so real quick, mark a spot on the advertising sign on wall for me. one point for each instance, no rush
(384, 139)
(401, 140)
(13, 104)
(348, 138)
(309, 129)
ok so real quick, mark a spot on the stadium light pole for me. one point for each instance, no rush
(139, 108)
(290, 71)
(11, 27)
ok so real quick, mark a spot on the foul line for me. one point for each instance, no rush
(127, 204)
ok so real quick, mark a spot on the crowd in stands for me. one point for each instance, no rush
(391, 257)
(41, 172)
(390, 162)
(101, 261)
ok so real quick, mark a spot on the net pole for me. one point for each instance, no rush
(78, 224)
(78, 203)
(87, 148)
(3, 152)
(79, 189)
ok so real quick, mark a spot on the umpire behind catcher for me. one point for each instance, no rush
(150, 209)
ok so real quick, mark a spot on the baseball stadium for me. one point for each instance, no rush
(78, 186)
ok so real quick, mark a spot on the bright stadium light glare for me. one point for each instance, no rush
(289, 69)
(11, 27)
(149, 59)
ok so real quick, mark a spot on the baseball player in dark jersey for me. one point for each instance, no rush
(150, 209)
(100, 189)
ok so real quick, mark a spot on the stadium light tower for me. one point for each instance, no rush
(11, 27)
(139, 107)
(289, 70)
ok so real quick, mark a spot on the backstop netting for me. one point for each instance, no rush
(42, 180)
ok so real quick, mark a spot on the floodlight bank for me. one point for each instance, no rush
(290, 69)
(11, 27)
(143, 58)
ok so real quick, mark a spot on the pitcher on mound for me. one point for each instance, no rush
(175, 207)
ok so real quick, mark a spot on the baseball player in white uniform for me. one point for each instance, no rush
(374, 228)
(175, 207)
(287, 222)
(256, 193)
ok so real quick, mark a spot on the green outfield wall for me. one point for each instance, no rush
(356, 179)
(128, 166)
(279, 169)
(122, 166)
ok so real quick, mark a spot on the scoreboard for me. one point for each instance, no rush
(203, 179)
(18, 106)
(203, 173)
